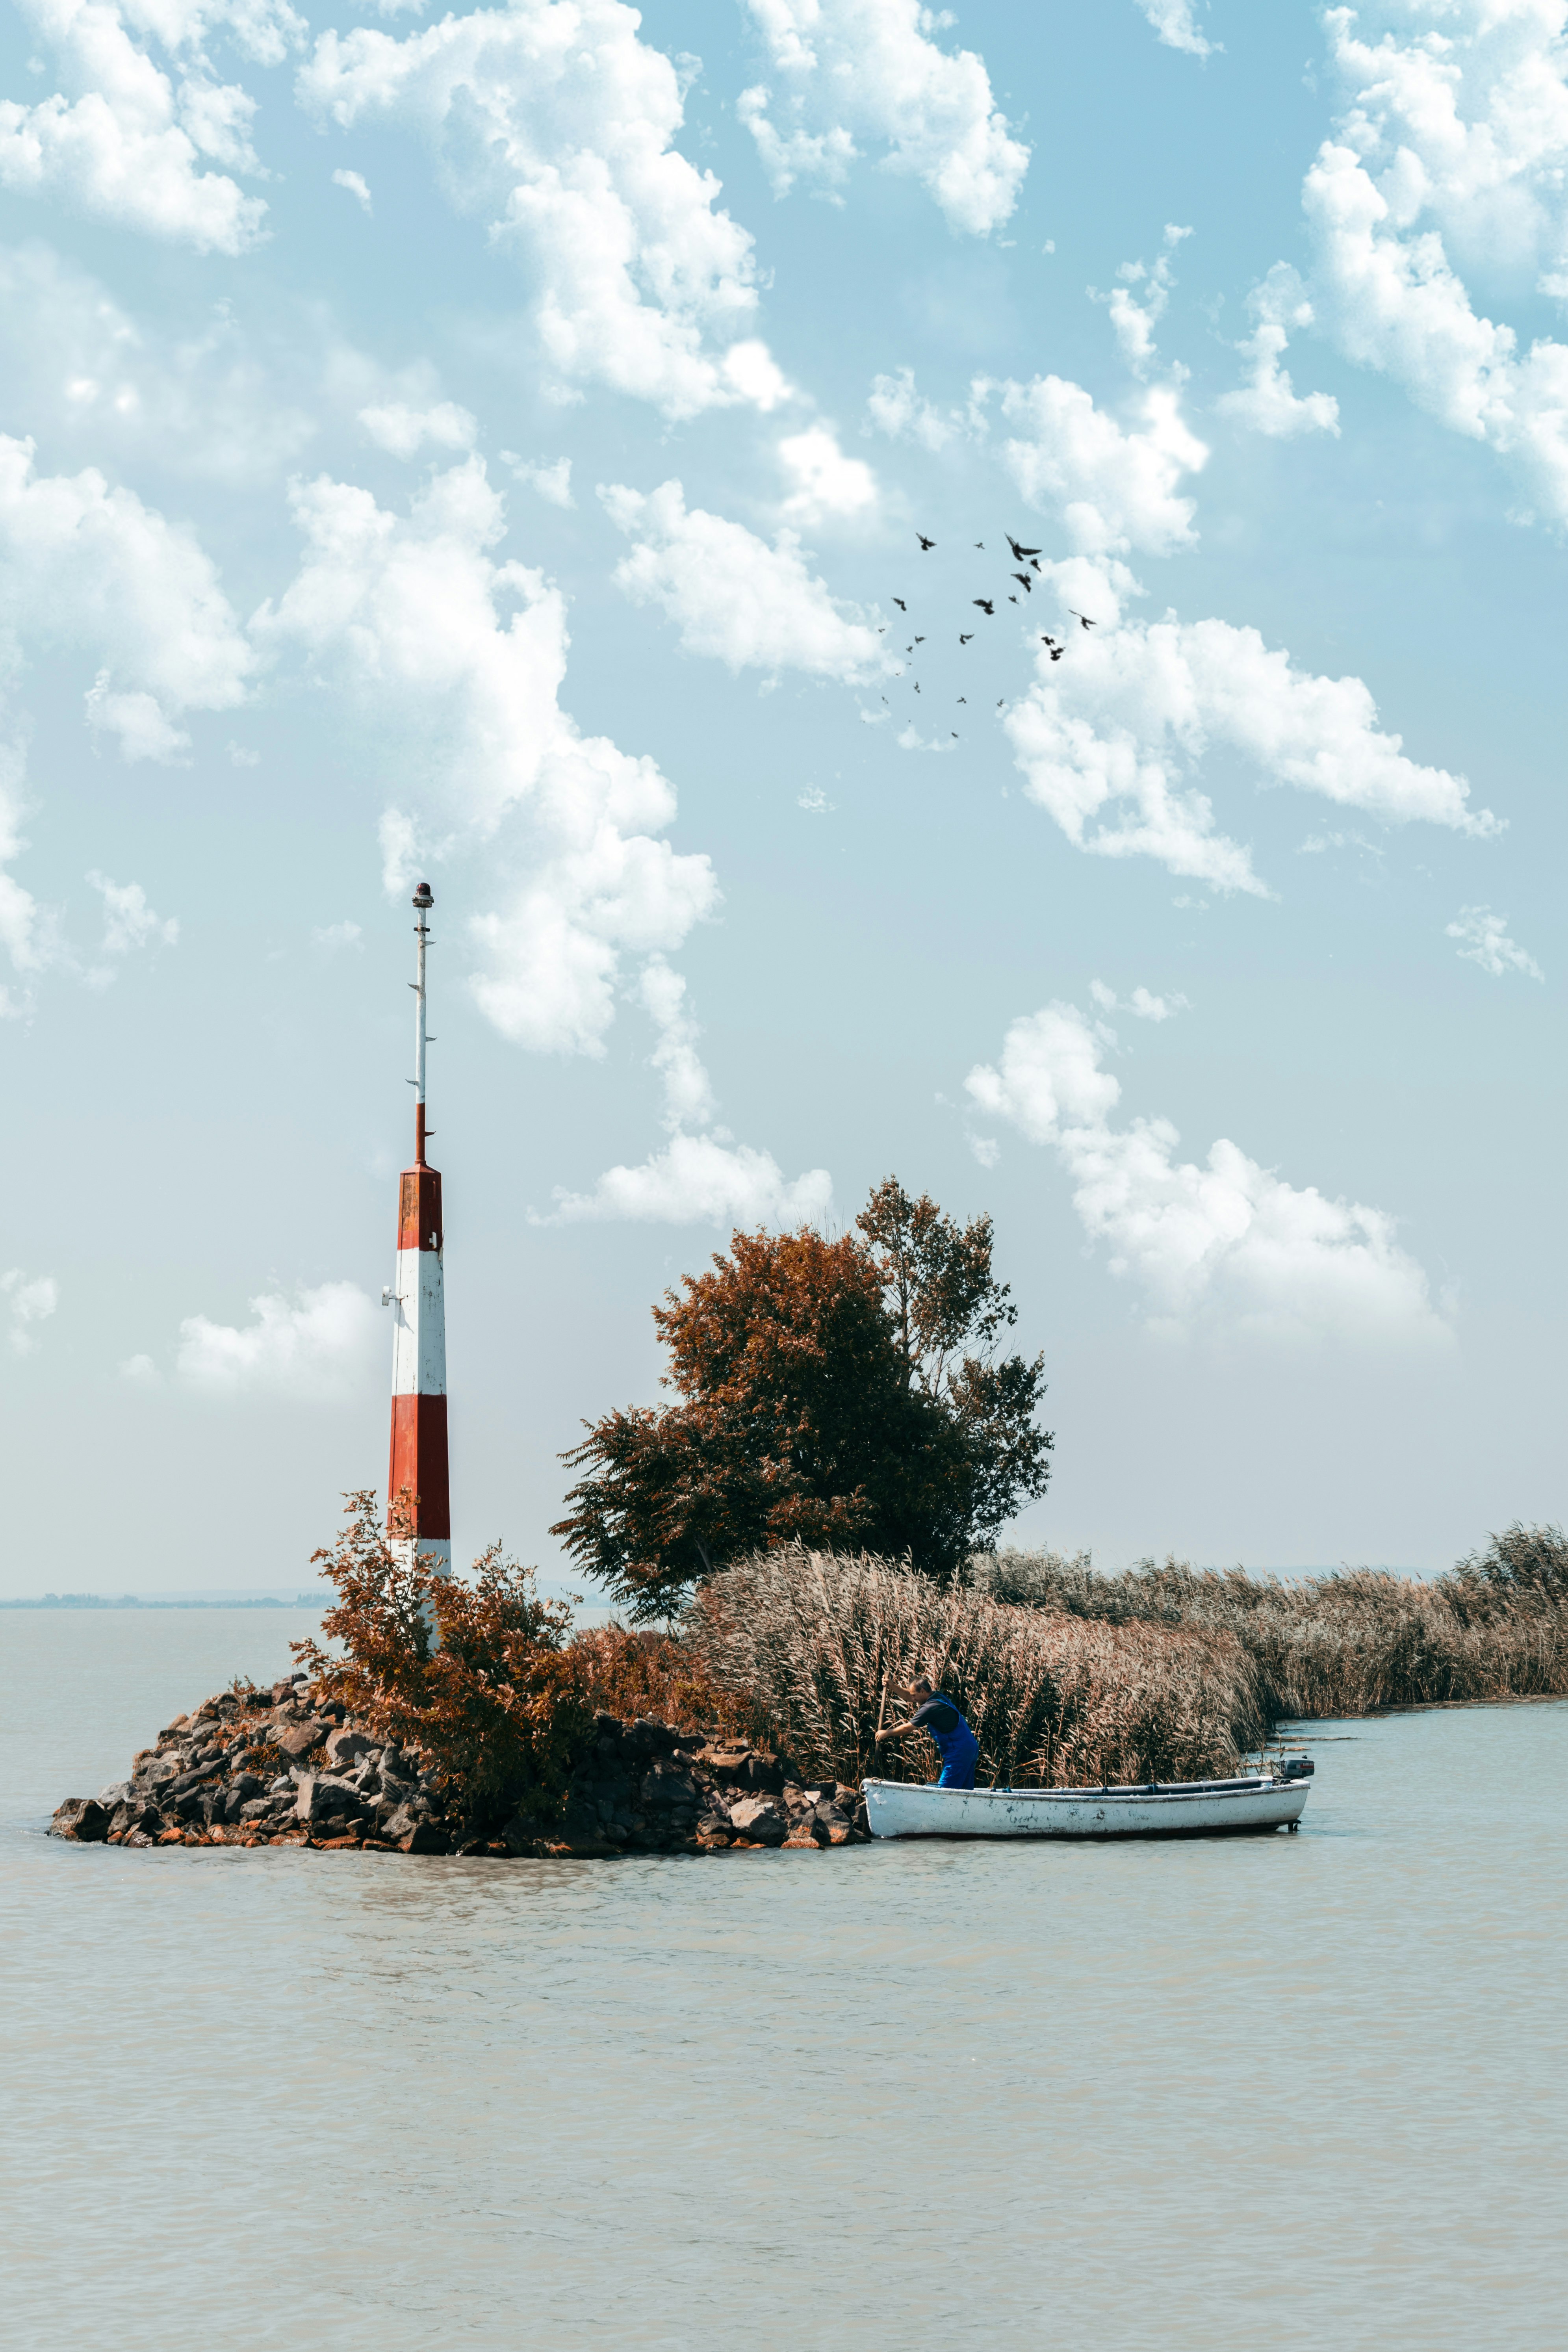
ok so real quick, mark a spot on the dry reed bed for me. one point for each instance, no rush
(805, 1639)
(1494, 1627)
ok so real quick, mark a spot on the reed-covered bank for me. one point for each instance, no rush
(808, 1640)
(1494, 1627)
(1161, 1673)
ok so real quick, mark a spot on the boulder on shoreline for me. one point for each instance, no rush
(288, 1767)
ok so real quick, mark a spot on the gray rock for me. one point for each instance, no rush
(298, 1738)
(255, 1809)
(667, 1787)
(755, 1818)
(321, 1798)
(81, 1819)
(115, 1794)
(134, 1815)
(345, 1748)
(426, 1838)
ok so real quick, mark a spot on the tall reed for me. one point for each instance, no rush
(1493, 1627)
(809, 1640)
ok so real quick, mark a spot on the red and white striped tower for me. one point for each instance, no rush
(418, 1465)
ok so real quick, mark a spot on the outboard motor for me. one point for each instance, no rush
(1297, 1767)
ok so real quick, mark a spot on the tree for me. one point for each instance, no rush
(942, 1299)
(825, 1399)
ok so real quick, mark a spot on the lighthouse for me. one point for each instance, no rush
(417, 1473)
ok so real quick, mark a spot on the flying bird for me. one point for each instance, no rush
(1018, 552)
(1083, 617)
(962, 639)
(1034, 563)
(980, 543)
(1056, 652)
(920, 641)
(917, 685)
(1012, 600)
(963, 698)
(985, 603)
(900, 604)
(1024, 583)
(1000, 700)
(953, 732)
(925, 542)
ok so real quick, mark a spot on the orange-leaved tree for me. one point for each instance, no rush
(474, 1671)
(834, 1395)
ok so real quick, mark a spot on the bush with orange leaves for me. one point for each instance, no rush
(631, 1674)
(475, 1673)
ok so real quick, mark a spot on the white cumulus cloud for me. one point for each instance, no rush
(89, 565)
(1176, 25)
(552, 480)
(850, 69)
(126, 140)
(1115, 488)
(30, 1299)
(1107, 736)
(703, 1179)
(205, 401)
(897, 409)
(1135, 319)
(733, 596)
(1450, 156)
(553, 119)
(129, 922)
(827, 486)
(451, 664)
(356, 184)
(1269, 403)
(1228, 1246)
(1487, 942)
(315, 1348)
(1143, 1004)
(403, 431)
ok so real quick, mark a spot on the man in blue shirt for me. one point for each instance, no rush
(932, 1711)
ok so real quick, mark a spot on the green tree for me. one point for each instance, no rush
(838, 1394)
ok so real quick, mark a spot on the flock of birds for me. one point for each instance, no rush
(1028, 561)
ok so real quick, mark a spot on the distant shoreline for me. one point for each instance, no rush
(131, 1601)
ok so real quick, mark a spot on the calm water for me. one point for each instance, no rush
(1285, 2091)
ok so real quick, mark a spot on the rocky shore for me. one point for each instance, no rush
(284, 1767)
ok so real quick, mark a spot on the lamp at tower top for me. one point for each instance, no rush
(424, 896)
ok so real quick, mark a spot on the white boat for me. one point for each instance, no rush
(1255, 1801)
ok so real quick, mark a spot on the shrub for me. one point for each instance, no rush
(474, 1672)
(631, 1674)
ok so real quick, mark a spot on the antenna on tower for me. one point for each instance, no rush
(424, 900)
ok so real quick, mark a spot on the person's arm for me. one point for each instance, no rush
(894, 1731)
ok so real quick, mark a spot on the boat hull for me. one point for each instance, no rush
(901, 1809)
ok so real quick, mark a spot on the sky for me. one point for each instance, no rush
(499, 448)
